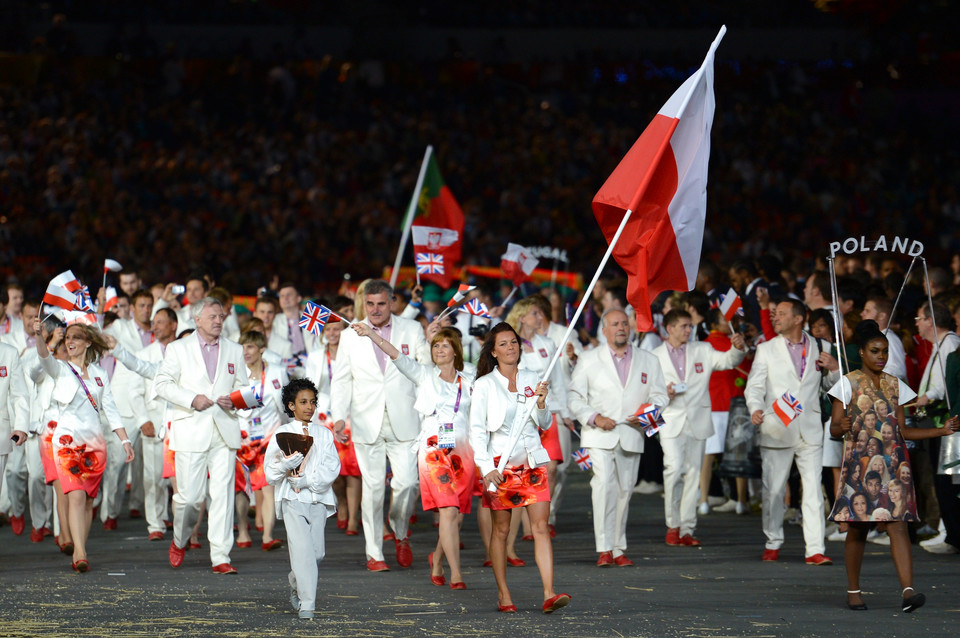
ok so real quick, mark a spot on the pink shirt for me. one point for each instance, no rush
(798, 354)
(622, 364)
(296, 336)
(679, 358)
(210, 353)
(384, 333)
(146, 336)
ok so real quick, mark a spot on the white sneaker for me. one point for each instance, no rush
(716, 500)
(936, 540)
(837, 536)
(926, 530)
(647, 487)
(703, 509)
(742, 508)
(830, 529)
(728, 507)
(878, 538)
(942, 548)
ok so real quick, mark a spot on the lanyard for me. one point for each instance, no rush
(263, 378)
(803, 357)
(93, 401)
(456, 406)
(329, 367)
(6, 325)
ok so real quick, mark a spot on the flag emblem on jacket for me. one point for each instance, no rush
(430, 264)
(582, 459)
(787, 408)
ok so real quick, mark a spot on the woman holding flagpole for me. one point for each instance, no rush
(500, 396)
(259, 424)
(445, 459)
(82, 392)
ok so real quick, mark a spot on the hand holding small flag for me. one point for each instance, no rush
(315, 317)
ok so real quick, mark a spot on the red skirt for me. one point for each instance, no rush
(447, 476)
(346, 452)
(550, 439)
(46, 453)
(521, 486)
(80, 466)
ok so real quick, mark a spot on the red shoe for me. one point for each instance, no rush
(605, 560)
(341, 524)
(272, 545)
(196, 545)
(155, 536)
(404, 555)
(224, 568)
(240, 544)
(622, 561)
(352, 532)
(551, 605)
(259, 528)
(818, 559)
(36, 535)
(46, 531)
(82, 565)
(18, 524)
(553, 531)
(67, 548)
(527, 537)
(134, 513)
(439, 581)
(673, 536)
(689, 541)
(168, 524)
(175, 554)
(413, 519)
(110, 524)
(460, 585)
(487, 563)
(516, 562)
(770, 555)
(389, 536)
(507, 609)
(377, 566)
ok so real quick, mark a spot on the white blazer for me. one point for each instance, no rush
(595, 389)
(14, 336)
(537, 361)
(77, 415)
(182, 376)
(772, 374)
(690, 411)
(281, 328)
(14, 401)
(126, 384)
(271, 415)
(146, 364)
(320, 467)
(359, 390)
(437, 400)
(492, 412)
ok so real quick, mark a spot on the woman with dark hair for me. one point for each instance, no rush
(500, 397)
(871, 381)
(445, 460)
(82, 392)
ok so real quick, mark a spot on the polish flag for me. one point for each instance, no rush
(731, 305)
(110, 265)
(60, 297)
(662, 183)
(518, 264)
(246, 398)
(73, 317)
(67, 280)
(787, 408)
(111, 300)
(460, 295)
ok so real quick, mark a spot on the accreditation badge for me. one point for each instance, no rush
(445, 436)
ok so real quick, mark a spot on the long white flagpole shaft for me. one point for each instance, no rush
(510, 296)
(836, 329)
(408, 220)
(936, 334)
(906, 277)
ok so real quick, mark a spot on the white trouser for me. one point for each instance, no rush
(304, 523)
(154, 485)
(115, 475)
(135, 478)
(563, 433)
(373, 469)
(39, 493)
(682, 459)
(776, 471)
(192, 488)
(3, 467)
(13, 499)
(614, 473)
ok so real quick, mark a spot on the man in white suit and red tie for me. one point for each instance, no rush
(791, 362)
(363, 378)
(608, 385)
(688, 421)
(196, 377)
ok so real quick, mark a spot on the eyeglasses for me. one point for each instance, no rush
(919, 318)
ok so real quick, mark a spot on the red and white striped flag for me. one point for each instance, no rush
(111, 265)
(518, 264)
(60, 297)
(788, 408)
(66, 280)
(246, 398)
(73, 317)
(111, 299)
(662, 180)
(731, 305)
(460, 295)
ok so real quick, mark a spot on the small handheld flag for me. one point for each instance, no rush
(460, 295)
(730, 305)
(430, 264)
(66, 280)
(75, 317)
(582, 458)
(476, 308)
(111, 265)
(787, 408)
(59, 297)
(246, 398)
(518, 264)
(111, 299)
(82, 301)
(315, 317)
(650, 418)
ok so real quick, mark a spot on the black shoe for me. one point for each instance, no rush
(858, 606)
(913, 602)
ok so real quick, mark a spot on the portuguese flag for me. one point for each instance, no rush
(437, 228)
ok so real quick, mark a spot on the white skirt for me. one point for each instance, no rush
(832, 450)
(715, 443)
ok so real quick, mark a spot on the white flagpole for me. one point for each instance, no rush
(836, 329)
(936, 334)
(510, 296)
(893, 311)
(408, 221)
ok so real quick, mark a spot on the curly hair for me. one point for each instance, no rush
(98, 345)
(292, 389)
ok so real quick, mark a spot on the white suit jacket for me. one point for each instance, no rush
(14, 402)
(690, 411)
(146, 364)
(595, 389)
(773, 374)
(182, 376)
(280, 328)
(16, 337)
(359, 390)
(126, 384)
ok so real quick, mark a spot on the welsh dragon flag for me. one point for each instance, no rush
(437, 225)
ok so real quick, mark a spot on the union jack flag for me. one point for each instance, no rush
(477, 308)
(650, 418)
(430, 264)
(314, 317)
(787, 408)
(83, 299)
(582, 458)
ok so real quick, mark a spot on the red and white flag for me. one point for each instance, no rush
(518, 264)
(246, 398)
(460, 295)
(60, 297)
(66, 280)
(72, 317)
(662, 180)
(731, 305)
(111, 265)
(111, 299)
(787, 408)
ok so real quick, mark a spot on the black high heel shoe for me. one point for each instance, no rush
(858, 606)
(913, 602)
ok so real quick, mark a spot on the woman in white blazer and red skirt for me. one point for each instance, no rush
(500, 391)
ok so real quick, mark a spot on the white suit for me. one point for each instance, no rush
(772, 374)
(204, 441)
(688, 425)
(595, 389)
(14, 403)
(380, 428)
